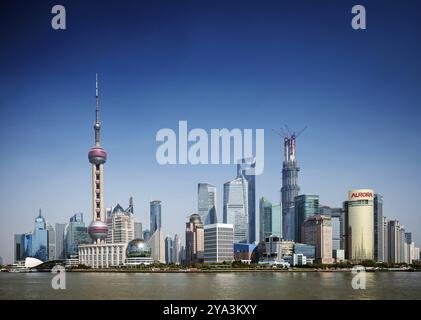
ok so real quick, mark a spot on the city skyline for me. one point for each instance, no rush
(47, 114)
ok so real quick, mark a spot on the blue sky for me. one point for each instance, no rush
(216, 64)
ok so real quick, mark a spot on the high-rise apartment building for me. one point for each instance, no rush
(120, 224)
(194, 239)
(317, 230)
(337, 216)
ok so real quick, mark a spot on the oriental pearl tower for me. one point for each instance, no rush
(97, 157)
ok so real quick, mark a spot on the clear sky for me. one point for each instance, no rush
(216, 64)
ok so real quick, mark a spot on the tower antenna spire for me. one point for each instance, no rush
(97, 124)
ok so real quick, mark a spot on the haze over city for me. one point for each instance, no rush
(216, 65)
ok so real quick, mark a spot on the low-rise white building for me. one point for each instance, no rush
(298, 259)
(102, 255)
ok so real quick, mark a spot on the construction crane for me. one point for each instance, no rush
(289, 141)
(286, 133)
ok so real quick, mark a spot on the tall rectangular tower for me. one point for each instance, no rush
(155, 216)
(236, 208)
(378, 228)
(206, 203)
(245, 169)
(306, 205)
(290, 188)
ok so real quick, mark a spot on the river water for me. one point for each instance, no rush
(244, 285)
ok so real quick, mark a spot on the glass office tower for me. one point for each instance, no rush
(248, 165)
(306, 205)
(236, 208)
(378, 228)
(206, 203)
(40, 239)
(155, 216)
(265, 219)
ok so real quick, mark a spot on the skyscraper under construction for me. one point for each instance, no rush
(290, 188)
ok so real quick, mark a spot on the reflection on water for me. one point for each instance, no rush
(245, 285)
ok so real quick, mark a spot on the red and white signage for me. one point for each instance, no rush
(360, 194)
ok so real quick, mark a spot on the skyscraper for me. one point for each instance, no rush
(290, 188)
(156, 242)
(138, 233)
(194, 239)
(269, 219)
(277, 219)
(76, 234)
(336, 238)
(155, 216)
(245, 169)
(306, 205)
(60, 229)
(359, 229)
(378, 228)
(402, 257)
(120, 224)
(317, 231)
(386, 241)
(206, 203)
(408, 250)
(218, 243)
(265, 219)
(40, 239)
(288, 224)
(337, 216)
(236, 208)
(51, 242)
(169, 250)
(97, 157)
(177, 249)
(19, 247)
(28, 245)
(393, 233)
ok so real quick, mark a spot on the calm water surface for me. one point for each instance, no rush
(285, 285)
